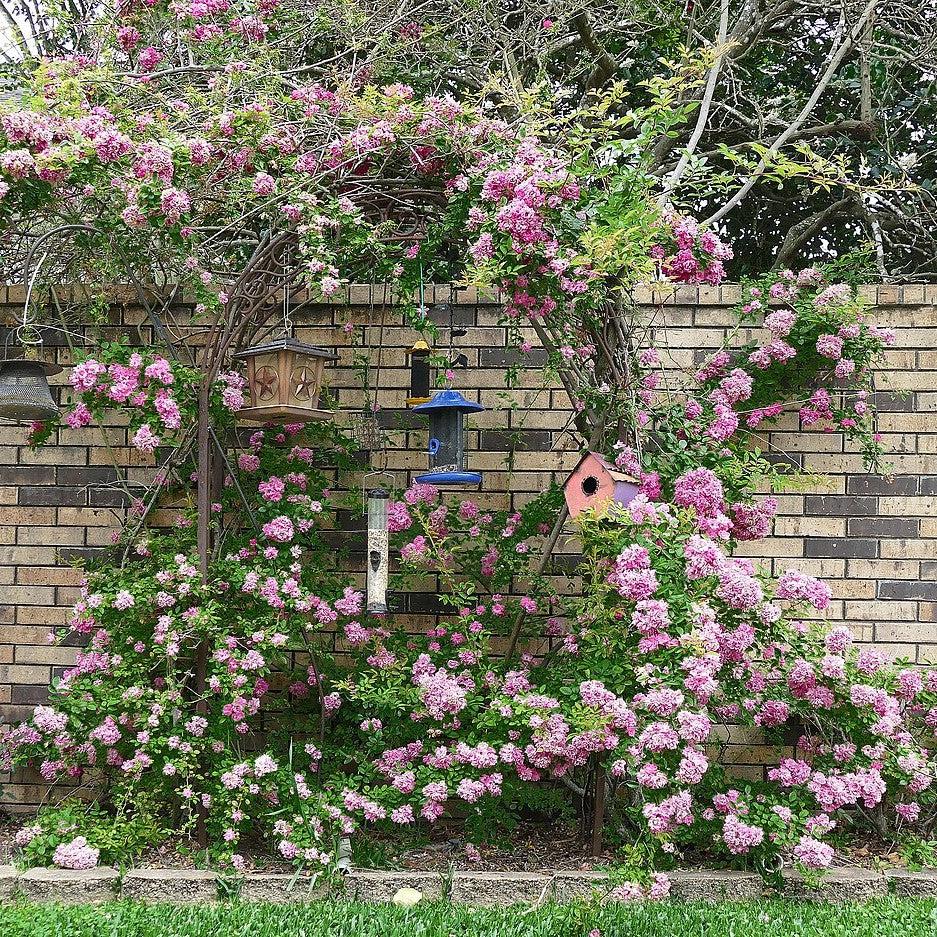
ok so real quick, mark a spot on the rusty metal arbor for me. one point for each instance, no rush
(284, 374)
(284, 381)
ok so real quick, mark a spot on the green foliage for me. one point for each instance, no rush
(120, 833)
(918, 853)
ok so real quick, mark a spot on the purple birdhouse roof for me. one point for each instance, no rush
(597, 460)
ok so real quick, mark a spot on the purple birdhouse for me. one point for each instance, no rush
(596, 484)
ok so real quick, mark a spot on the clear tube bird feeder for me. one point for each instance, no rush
(377, 551)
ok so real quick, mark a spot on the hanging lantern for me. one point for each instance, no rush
(447, 439)
(284, 380)
(377, 552)
(419, 373)
(25, 396)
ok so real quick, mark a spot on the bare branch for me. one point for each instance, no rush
(836, 58)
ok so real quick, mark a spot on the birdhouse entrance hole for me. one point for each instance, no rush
(590, 485)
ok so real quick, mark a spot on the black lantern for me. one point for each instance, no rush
(419, 373)
(284, 380)
(25, 396)
(447, 439)
(377, 552)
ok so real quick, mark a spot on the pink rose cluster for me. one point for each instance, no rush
(518, 213)
(138, 385)
(76, 854)
(823, 329)
(688, 254)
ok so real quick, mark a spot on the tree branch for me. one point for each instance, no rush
(800, 233)
(605, 65)
(705, 105)
(835, 59)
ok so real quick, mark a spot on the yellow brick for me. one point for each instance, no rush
(45, 654)
(45, 576)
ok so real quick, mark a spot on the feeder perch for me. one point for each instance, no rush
(596, 484)
(284, 380)
(419, 373)
(25, 396)
(377, 552)
(447, 439)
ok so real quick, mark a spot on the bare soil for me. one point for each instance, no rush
(531, 846)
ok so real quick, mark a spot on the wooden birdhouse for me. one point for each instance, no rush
(596, 484)
(284, 380)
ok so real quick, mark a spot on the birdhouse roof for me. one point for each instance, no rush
(615, 473)
(290, 344)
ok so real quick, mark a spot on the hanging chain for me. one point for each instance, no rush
(287, 318)
(422, 301)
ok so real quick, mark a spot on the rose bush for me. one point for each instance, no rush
(670, 638)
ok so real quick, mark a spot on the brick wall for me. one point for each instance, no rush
(873, 539)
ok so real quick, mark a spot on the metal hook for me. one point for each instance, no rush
(25, 327)
(21, 332)
(376, 474)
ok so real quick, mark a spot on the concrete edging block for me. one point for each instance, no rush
(715, 885)
(69, 886)
(178, 886)
(570, 886)
(9, 875)
(282, 887)
(837, 885)
(381, 886)
(909, 884)
(500, 889)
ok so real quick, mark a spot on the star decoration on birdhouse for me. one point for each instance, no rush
(304, 383)
(266, 381)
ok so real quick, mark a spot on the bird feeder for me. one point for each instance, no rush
(25, 396)
(284, 381)
(419, 373)
(596, 484)
(377, 552)
(447, 439)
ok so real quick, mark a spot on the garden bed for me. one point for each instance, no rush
(529, 847)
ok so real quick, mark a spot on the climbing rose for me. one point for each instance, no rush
(699, 489)
(279, 529)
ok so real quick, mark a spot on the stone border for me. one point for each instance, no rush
(177, 886)
(477, 889)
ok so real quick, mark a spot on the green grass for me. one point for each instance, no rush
(880, 918)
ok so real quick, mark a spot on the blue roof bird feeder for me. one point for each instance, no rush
(447, 439)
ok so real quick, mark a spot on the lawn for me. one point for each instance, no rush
(882, 918)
